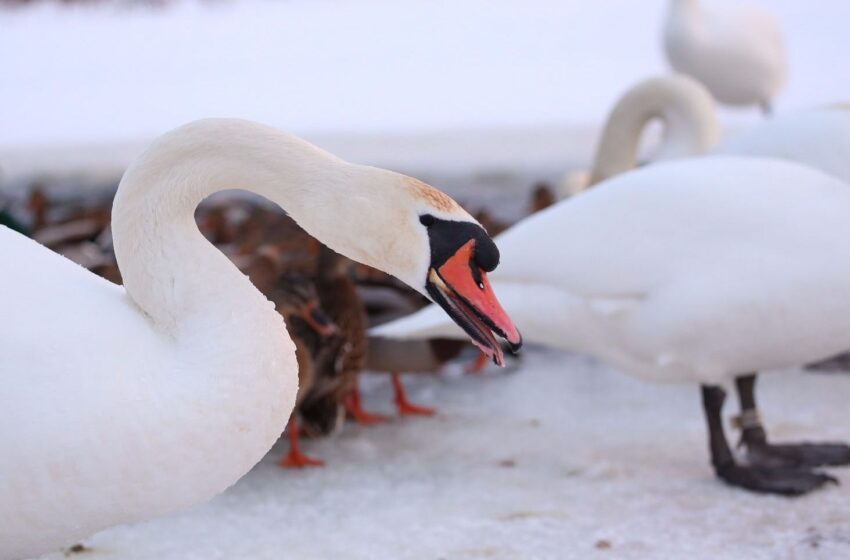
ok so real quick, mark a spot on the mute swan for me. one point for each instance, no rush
(685, 109)
(688, 117)
(738, 53)
(120, 404)
(699, 270)
(818, 137)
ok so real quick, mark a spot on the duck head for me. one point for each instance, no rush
(299, 299)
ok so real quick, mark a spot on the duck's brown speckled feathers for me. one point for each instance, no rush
(342, 358)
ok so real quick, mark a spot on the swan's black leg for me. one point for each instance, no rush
(760, 452)
(789, 481)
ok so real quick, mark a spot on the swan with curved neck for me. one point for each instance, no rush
(685, 109)
(120, 404)
(818, 138)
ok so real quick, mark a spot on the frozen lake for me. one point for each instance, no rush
(560, 459)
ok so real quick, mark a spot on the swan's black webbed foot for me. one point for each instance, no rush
(805, 455)
(786, 481)
(769, 479)
(764, 454)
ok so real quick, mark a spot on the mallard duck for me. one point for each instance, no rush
(340, 360)
(297, 300)
(410, 356)
(542, 196)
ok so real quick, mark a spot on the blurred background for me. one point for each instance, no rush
(488, 92)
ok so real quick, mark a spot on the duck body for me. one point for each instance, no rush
(342, 358)
(694, 270)
(737, 52)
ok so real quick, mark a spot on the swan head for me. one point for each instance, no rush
(433, 245)
(461, 255)
(418, 234)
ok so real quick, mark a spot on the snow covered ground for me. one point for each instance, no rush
(561, 459)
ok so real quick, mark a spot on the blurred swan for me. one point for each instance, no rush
(687, 114)
(689, 127)
(737, 52)
(123, 403)
(816, 137)
(701, 270)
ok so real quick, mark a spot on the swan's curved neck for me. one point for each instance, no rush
(169, 269)
(687, 113)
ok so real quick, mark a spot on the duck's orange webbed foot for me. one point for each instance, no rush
(295, 459)
(477, 367)
(354, 408)
(405, 407)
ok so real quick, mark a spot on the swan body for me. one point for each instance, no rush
(819, 138)
(693, 270)
(124, 403)
(738, 53)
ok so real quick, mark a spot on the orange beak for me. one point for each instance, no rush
(461, 287)
(319, 321)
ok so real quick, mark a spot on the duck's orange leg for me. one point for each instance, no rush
(478, 365)
(295, 459)
(405, 407)
(354, 407)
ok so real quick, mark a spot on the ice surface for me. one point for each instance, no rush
(561, 459)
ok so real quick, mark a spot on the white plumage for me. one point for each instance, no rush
(738, 53)
(818, 137)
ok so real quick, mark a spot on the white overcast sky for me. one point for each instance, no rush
(101, 74)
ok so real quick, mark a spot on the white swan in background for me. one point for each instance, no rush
(699, 270)
(687, 114)
(124, 403)
(818, 137)
(689, 128)
(737, 52)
